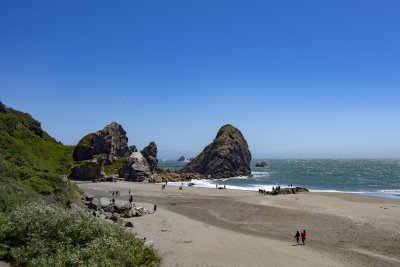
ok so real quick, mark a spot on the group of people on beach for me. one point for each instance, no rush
(303, 236)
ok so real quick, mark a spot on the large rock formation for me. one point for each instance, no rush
(227, 156)
(112, 141)
(86, 170)
(135, 168)
(150, 153)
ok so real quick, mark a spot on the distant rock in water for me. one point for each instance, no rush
(227, 156)
(150, 153)
(135, 168)
(262, 164)
(182, 159)
(112, 141)
(86, 170)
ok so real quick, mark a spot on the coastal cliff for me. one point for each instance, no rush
(227, 156)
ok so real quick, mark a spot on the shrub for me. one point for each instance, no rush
(40, 234)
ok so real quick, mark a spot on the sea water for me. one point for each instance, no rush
(362, 176)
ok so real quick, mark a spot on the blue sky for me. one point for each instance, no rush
(298, 78)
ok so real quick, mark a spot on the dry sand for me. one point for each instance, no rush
(209, 227)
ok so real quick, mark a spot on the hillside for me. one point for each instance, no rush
(30, 159)
(35, 229)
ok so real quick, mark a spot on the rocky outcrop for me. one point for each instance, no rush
(86, 170)
(283, 191)
(114, 210)
(227, 156)
(150, 153)
(112, 141)
(182, 159)
(172, 176)
(262, 164)
(135, 168)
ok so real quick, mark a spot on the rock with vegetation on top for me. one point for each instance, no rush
(262, 164)
(135, 168)
(112, 141)
(172, 176)
(86, 170)
(150, 153)
(227, 156)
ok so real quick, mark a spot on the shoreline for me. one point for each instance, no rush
(341, 226)
(208, 183)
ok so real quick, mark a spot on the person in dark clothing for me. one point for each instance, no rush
(297, 236)
(303, 237)
(155, 208)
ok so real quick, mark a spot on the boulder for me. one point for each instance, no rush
(129, 224)
(262, 164)
(95, 204)
(112, 141)
(120, 208)
(89, 198)
(114, 217)
(182, 159)
(87, 170)
(227, 156)
(150, 153)
(135, 168)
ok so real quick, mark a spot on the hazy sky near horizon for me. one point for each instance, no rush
(305, 79)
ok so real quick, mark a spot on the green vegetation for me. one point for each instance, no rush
(35, 229)
(33, 235)
(31, 162)
(114, 168)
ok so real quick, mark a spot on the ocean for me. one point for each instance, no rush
(361, 176)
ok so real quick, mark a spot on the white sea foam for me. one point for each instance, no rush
(204, 183)
(391, 191)
(395, 193)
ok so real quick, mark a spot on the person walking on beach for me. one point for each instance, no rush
(297, 236)
(303, 237)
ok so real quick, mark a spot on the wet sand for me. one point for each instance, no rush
(209, 227)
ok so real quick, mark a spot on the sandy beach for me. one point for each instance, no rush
(209, 227)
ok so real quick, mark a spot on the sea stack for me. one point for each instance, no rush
(111, 141)
(150, 154)
(227, 156)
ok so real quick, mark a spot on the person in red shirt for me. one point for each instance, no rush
(303, 236)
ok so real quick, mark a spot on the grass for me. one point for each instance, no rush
(114, 168)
